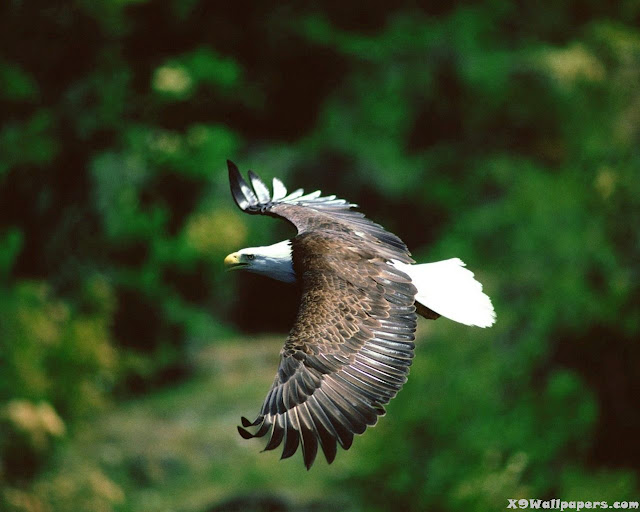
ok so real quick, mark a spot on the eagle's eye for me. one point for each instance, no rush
(251, 257)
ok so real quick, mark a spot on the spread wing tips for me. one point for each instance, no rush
(323, 421)
(257, 198)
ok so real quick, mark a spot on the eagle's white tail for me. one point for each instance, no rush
(449, 289)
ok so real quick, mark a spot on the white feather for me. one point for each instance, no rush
(310, 196)
(279, 190)
(294, 195)
(298, 197)
(449, 289)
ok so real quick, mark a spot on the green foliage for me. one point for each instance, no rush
(27, 142)
(15, 84)
(180, 77)
(58, 364)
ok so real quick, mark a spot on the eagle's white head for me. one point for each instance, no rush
(273, 261)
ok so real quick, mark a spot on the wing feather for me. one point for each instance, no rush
(279, 190)
(277, 433)
(291, 437)
(309, 435)
(327, 434)
(261, 190)
(241, 192)
(341, 425)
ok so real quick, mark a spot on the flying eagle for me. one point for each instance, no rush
(352, 342)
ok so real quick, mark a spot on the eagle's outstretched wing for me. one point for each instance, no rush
(309, 212)
(351, 345)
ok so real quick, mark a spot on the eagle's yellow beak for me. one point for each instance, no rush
(233, 261)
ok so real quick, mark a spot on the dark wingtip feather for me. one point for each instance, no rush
(309, 447)
(246, 422)
(241, 192)
(277, 435)
(245, 434)
(291, 441)
(330, 456)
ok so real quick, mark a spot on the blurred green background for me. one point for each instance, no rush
(503, 133)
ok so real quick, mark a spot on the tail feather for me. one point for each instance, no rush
(449, 289)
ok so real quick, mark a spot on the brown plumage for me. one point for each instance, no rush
(350, 348)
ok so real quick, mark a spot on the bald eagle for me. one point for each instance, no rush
(351, 345)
